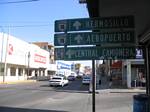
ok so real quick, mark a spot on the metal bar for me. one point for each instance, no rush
(145, 66)
(148, 75)
(147, 70)
(93, 85)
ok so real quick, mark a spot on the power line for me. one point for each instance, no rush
(23, 1)
(13, 26)
(24, 22)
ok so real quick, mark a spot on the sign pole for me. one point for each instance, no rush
(93, 85)
(146, 54)
(147, 77)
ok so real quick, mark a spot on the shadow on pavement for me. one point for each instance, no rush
(73, 87)
(70, 89)
(14, 109)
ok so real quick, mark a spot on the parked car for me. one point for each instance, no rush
(58, 81)
(73, 74)
(86, 80)
(61, 75)
(71, 77)
(79, 75)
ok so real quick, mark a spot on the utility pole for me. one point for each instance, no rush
(28, 64)
(1, 65)
(5, 66)
(93, 85)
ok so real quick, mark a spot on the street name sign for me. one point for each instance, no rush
(93, 38)
(94, 23)
(89, 53)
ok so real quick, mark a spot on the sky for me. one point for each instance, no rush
(34, 21)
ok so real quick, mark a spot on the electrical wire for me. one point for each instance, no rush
(14, 26)
(23, 1)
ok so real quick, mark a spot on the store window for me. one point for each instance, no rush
(28, 74)
(12, 71)
(1, 71)
(20, 72)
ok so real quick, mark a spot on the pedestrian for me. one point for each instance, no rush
(110, 82)
(36, 75)
(99, 81)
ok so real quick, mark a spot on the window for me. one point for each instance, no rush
(28, 74)
(1, 71)
(45, 47)
(12, 71)
(20, 72)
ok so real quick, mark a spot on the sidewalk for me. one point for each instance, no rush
(104, 87)
(16, 82)
(122, 91)
(119, 89)
(116, 88)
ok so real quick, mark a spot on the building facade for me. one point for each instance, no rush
(21, 60)
(48, 47)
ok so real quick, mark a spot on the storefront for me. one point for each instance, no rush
(116, 73)
(133, 72)
(21, 60)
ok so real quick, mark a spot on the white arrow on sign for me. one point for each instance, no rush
(78, 38)
(77, 25)
(101, 58)
(69, 53)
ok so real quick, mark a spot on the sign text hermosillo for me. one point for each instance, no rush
(94, 23)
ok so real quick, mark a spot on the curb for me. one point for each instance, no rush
(127, 91)
(122, 91)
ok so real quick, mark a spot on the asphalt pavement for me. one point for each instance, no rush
(39, 97)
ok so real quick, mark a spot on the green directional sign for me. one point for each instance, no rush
(88, 53)
(59, 53)
(92, 38)
(94, 23)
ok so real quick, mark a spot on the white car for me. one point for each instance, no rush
(73, 74)
(58, 81)
(61, 75)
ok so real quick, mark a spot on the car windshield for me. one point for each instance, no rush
(56, 78)
(59, 75)
(71, 76)
(86, 77)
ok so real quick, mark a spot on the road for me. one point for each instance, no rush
(39, 97)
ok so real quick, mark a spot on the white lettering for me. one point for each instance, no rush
(86, 53)
(119, 52)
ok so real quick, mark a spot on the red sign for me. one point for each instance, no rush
(39, 59)
(10, 49)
